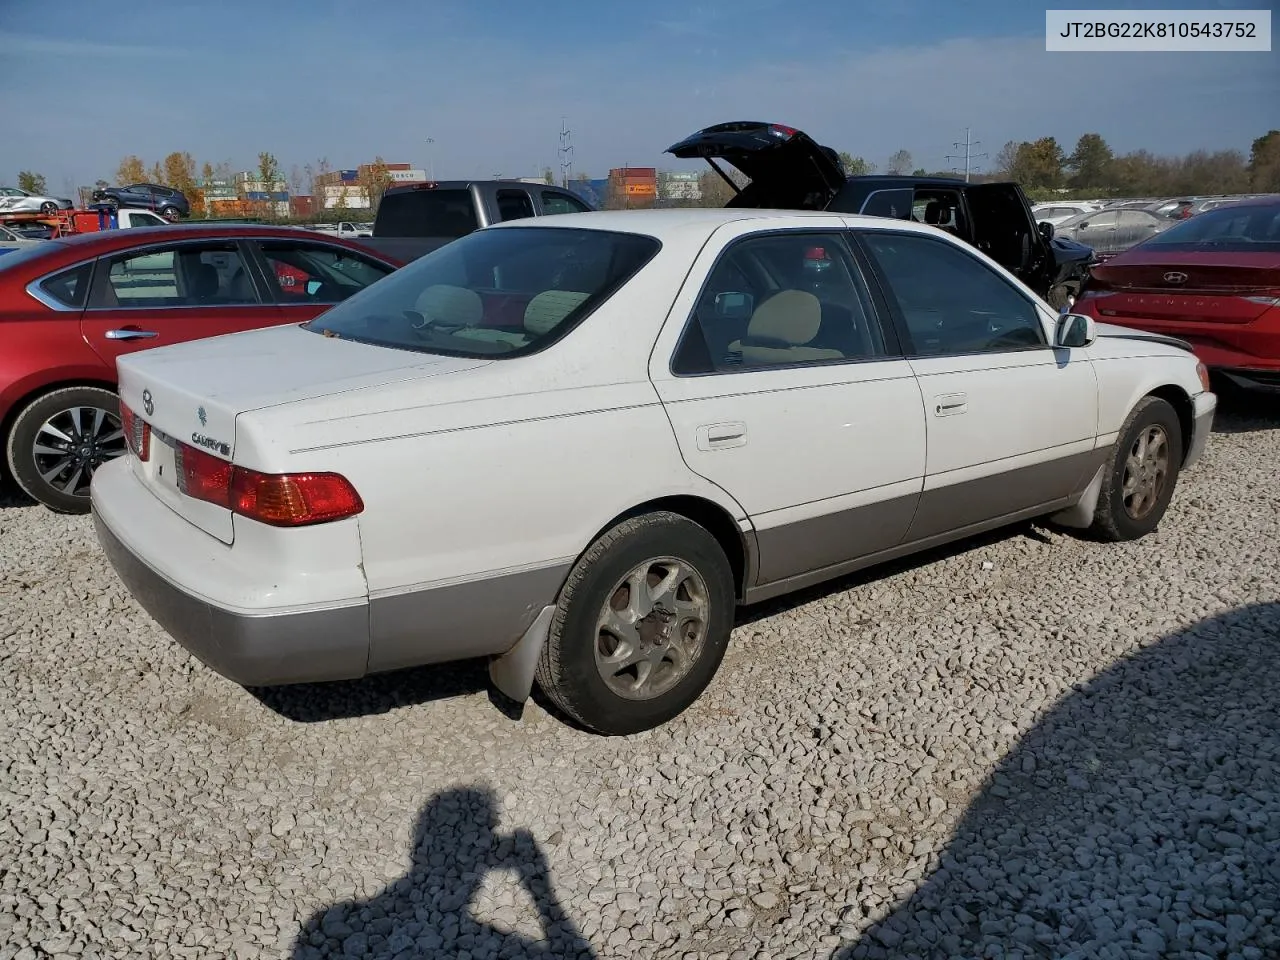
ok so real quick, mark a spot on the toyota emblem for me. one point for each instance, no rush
(148, 404)
(1174, 276)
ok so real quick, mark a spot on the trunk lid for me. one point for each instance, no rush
(190, 394)
(1191, 287)
(788, 170)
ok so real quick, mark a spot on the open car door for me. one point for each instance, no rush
(787, 169)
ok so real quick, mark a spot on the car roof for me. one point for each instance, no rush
(98, 242)
(669, 222)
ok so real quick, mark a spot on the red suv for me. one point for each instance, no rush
(69, 307)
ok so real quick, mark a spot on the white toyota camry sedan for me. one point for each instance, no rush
(574, 446)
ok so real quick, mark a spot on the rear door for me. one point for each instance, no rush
(784, 389)
(172, 292)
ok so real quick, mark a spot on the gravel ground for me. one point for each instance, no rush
(1028, 746)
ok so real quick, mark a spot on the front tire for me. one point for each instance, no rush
(59, 440)
(1141, 473)
(170, 213)
(49, 208)
(641, 626)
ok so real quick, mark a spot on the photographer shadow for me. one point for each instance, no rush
(426, 913)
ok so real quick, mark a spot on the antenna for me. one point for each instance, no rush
(968, 154)
(566, 154)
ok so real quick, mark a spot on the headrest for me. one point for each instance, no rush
(549, 308)
(791, 316)
(456, 306)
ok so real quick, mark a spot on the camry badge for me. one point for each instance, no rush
(203, 417)
(1174, 276)
(148, 404)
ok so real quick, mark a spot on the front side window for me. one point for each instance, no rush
(184, 275)
(317, 273)
(777, 301)
(497, 292)
(951, 302)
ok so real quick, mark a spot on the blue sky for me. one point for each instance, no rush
(490, 81)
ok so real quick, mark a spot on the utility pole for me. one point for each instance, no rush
(431, 160)
(968, 154)
(566, 154)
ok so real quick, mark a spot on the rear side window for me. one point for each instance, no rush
(888, 203)
(70, 287)
(427, 213)
(514, 205)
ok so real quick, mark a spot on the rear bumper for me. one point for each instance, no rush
(1206, 404)
(266, 647)
(251, 650)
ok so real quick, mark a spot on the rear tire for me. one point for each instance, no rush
(621, 660)
(170, 213)
(1141, 473)
(49, 438)
(48, 209)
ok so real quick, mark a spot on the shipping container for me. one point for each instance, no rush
(408, 176)
(348, 176)
(257, 195)
(280, 196)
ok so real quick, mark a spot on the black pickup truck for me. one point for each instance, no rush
(788, 170)
(415, 218)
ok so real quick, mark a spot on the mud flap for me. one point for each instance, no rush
(512, 673)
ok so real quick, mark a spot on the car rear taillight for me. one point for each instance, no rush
(137, 433)
(778, 130)
(278, 499)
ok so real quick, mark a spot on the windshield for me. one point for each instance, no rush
(1240, 228)
(498, 292)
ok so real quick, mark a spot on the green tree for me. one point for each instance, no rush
(856, 166)
(375, 178)
(131, 170)
(268, 170)
(32, 182)
(548, 176)
(1090, 162)
(180, 173)
(1264, 163)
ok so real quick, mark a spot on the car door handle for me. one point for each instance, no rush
(950, 404)
(721, 436)
(131, 334)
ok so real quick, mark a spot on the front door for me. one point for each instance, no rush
(784, 390)
(1001, 226)
(1011, 419)
(170, 293)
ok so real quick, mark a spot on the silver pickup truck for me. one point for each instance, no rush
(414, 219)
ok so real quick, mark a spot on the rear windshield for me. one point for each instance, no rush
(499, 292)
(1239, 228)
(427, 213)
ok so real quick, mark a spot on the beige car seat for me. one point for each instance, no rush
(781, 328)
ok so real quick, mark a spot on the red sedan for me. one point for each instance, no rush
(69, 307)
(1213, 280)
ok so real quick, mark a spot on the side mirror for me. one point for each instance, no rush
(1083, 224)
(1046, 229)
(1075, 330)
